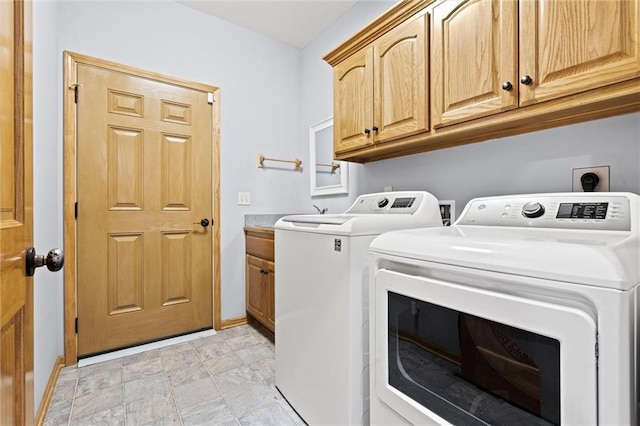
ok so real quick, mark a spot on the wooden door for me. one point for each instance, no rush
(353, 102)
(144, 183)
(473, 54)
(401, 95)
(16, 214)
(568, 47)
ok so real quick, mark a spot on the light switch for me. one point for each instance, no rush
(244, 198)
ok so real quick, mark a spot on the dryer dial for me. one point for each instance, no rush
(383, 202)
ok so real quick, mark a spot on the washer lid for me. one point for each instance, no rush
(319, 219)
(371, 214)
(356, 225)
(596, 258)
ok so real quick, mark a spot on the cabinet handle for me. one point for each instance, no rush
(507, 86)
(367, 131)
(375, 129)
(526, 80)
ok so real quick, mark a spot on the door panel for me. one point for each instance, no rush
(16, 214)
(473, 54)
(568, 47)
(401, 89)
(144, 183)
(353, 102)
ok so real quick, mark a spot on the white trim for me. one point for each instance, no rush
(144, 348)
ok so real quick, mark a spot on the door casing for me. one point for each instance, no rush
(71, 61)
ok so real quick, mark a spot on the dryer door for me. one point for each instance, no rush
(449, 353)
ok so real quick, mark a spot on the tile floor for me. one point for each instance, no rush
(225, 379)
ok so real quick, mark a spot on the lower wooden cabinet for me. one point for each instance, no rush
(260, 275)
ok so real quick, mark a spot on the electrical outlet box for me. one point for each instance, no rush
(244, 198)
(602, 172)
(388, 188)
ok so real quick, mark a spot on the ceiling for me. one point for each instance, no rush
(295, 22)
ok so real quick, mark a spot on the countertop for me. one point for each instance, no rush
(263, 220)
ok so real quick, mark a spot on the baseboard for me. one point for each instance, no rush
(48, 391)
(233, 322)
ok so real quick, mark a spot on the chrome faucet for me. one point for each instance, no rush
(323, 211)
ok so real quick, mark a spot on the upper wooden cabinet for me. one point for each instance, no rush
(488, 58)
(473, 55)
(380, 91)
(353, 101)
(428, 74)
(568, 47)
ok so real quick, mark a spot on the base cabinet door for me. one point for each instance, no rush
(271, 284)
(257, 289)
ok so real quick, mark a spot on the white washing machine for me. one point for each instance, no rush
(525, 311)
(321, 302)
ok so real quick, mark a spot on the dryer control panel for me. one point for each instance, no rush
(595, 211)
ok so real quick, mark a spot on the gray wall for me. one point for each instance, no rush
(270, 94)
(47, 202)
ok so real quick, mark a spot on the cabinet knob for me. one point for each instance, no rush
(375, 129)
(367, 131)
(526, 80)
(507, 86)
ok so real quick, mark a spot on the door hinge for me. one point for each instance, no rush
(76, 325)
(210, 98)
(75, 92)
(76, 210)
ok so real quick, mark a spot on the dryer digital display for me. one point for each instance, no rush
(582, 211)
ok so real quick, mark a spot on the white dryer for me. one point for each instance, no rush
(525, 311)
(321, 302)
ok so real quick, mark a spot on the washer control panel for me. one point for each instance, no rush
(566, 210)
(401, 202)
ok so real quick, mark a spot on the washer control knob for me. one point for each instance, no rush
(382, 202)
(532, 209)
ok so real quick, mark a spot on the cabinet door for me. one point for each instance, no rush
(257, 296)
(400, 81)
(353, 102)
(567, 47)
(271, 281)
(473, 54)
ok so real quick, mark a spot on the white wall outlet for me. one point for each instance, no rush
(388, 188)
(244, 198)
(602, 172)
